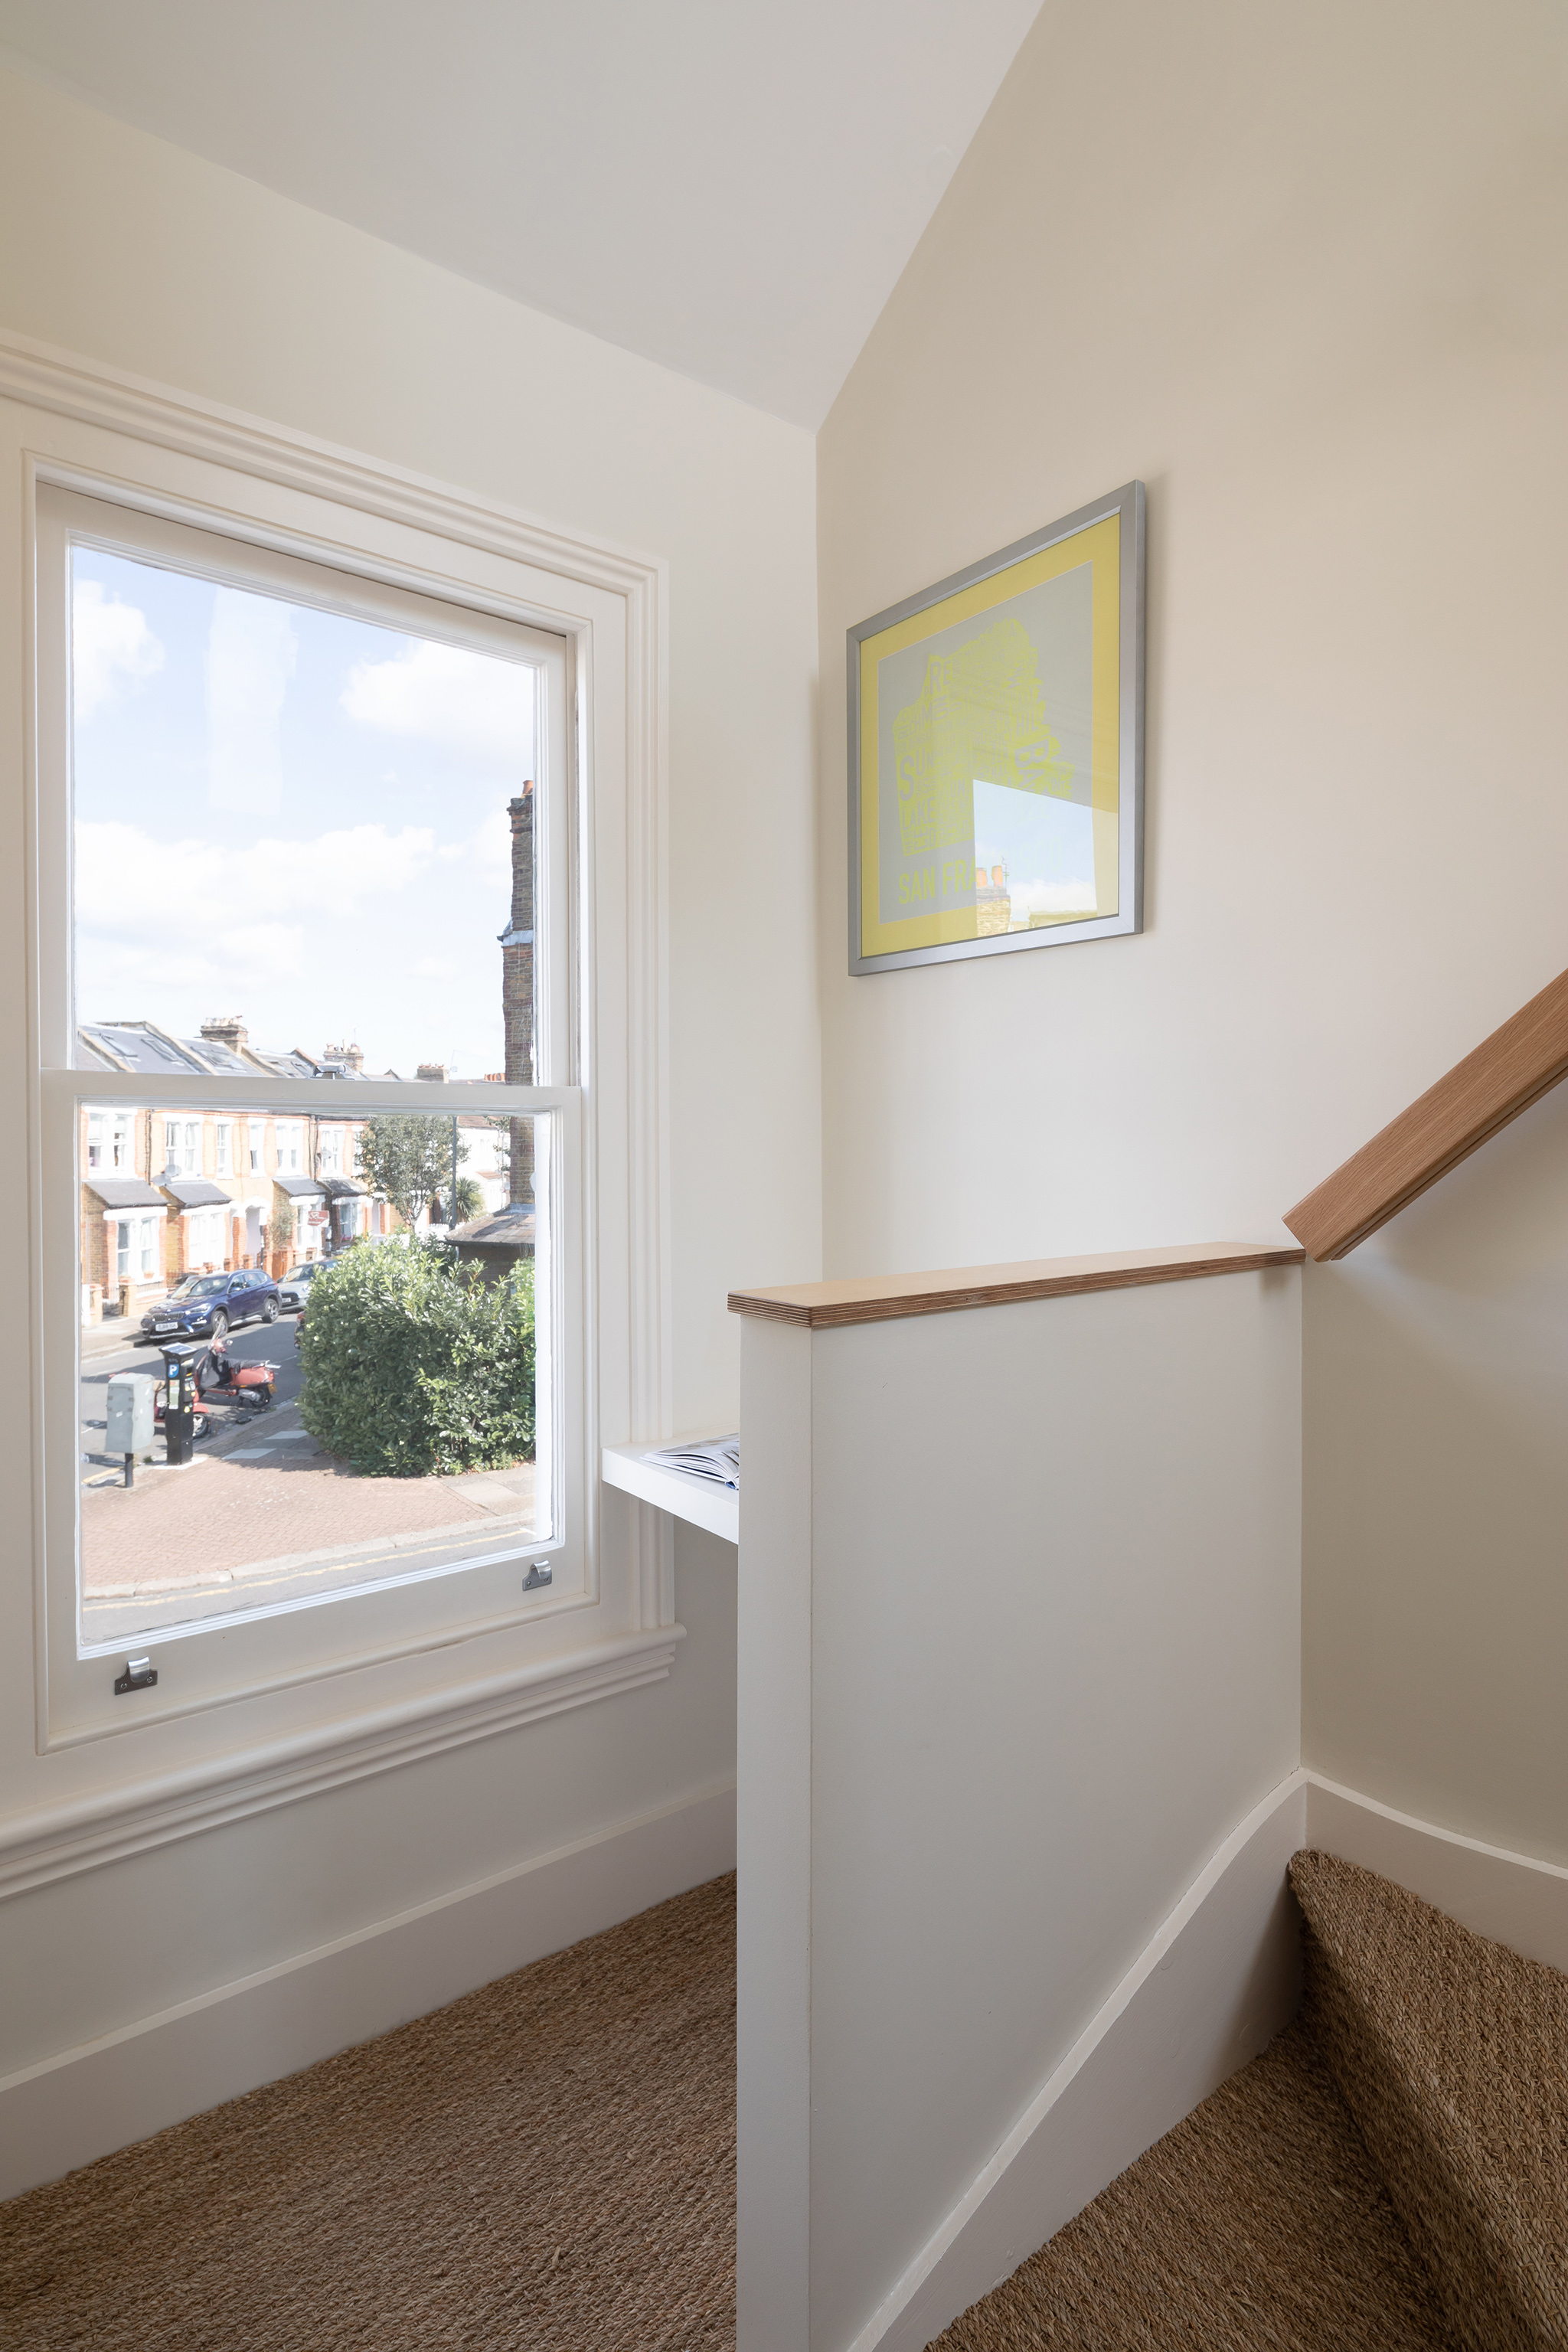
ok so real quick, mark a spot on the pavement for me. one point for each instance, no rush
(113, 1337)
(261, 1514)
(251, 1343)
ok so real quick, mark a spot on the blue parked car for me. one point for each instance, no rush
(209, 1303)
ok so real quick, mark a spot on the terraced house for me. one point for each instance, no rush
(166, 1191)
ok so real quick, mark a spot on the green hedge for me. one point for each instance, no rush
(414, 1364)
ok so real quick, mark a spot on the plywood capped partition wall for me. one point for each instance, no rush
(1019, 1619)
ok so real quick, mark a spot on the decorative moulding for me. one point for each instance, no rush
(54, 1840)
(43, 376)
(39, 1847)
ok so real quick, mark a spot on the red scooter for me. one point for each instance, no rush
(252, 1387)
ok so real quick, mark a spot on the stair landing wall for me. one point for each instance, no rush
(1019, 1612)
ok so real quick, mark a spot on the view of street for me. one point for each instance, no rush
(261, 1514)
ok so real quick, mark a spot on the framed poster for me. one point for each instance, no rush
(996, 750)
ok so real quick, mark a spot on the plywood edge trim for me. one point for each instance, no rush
(1071, 1277)
(1492, 1086)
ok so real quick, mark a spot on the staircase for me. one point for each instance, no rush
(1391, 2173)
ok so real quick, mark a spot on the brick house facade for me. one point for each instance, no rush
(166, 1191)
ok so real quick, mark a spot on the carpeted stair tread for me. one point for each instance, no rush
(1256, 2225)
(545, 2166)
(1451, 2052)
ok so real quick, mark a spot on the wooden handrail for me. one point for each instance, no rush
(820, 1305)
(1514, 1067)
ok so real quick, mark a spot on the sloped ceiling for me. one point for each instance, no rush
(730, 189)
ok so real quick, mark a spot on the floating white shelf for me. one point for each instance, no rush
(717, 1509)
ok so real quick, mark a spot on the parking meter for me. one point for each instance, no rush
(180, 1404)
(129, 1418)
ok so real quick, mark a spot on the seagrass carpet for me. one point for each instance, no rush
(545, 2166)
(1258, 2225)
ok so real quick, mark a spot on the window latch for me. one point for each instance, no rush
(540, 1573)
(139, 1674)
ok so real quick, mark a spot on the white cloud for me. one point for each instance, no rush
(251, 651)
(473, 704)
(110, 642)
(130, 884)
(156, 919)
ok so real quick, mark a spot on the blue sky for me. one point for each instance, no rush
(291, 815)
(1046, 846)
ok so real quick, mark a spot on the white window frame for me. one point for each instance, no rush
(223, 1147)
(420, 1685)
(271, 1643)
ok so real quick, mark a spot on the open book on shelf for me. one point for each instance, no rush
(716, 1458)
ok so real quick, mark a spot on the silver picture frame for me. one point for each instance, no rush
(1128, 504)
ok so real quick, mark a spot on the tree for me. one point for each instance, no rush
(414, 1365)
(282, 1227)
(471, 1203)
(407, 1159)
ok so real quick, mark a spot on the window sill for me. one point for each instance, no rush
(696, 1500)
(39, 1847)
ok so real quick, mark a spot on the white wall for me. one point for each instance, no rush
(127, 250)
(1300, 271)
(1019, 1610)
(132, 251)
(1435, 1527)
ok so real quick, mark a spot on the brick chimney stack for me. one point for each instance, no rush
(226, 1029)
(517, 986)
(344, 1057)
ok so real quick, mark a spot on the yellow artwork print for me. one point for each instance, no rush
(979, 718)
(989, 754)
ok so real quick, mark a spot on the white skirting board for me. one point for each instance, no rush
(87, 2102)
(1214, 1984)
